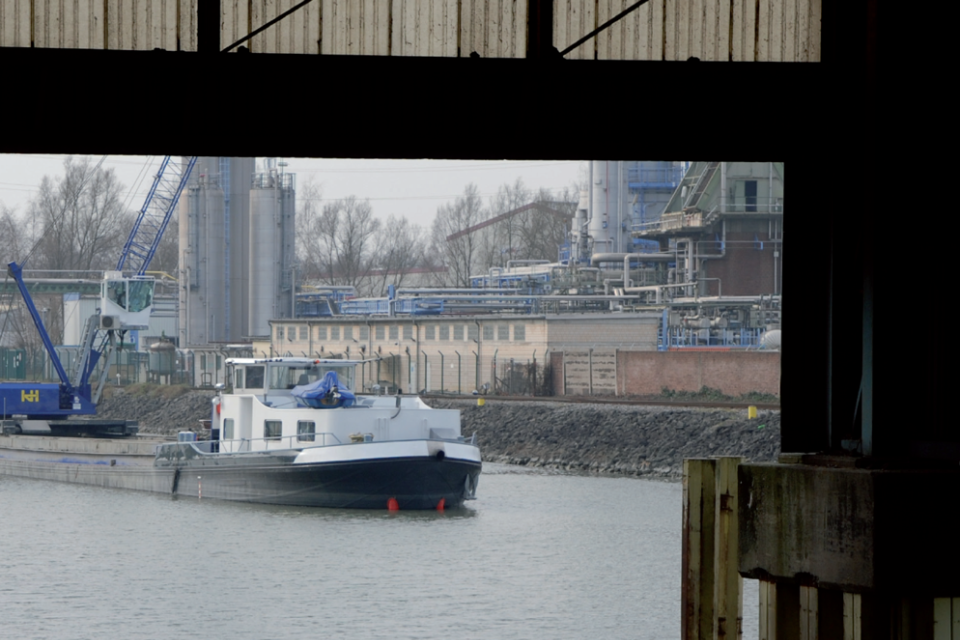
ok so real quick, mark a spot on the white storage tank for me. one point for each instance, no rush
(214, 221)
(272, 251)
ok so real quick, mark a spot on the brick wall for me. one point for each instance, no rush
(732, 372)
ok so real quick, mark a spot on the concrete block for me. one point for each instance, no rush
(852, 529)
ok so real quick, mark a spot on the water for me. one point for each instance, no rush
(538, 555)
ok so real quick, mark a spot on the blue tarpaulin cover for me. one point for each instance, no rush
(318, 394)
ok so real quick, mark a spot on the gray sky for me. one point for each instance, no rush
(411, 188)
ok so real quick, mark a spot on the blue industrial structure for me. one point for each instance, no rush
(649, 187)
(125, 305)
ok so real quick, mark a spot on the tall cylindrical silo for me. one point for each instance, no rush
(240, 173)
(609, 211)
(271, 254)
(202, 259)
(213, 222)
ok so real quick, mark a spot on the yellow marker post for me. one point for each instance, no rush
(480, 402)
(751, 412)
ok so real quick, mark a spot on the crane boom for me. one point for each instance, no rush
(155, 215)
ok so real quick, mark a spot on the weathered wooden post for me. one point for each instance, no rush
(729, 593)
(697, 555)
(712, 589)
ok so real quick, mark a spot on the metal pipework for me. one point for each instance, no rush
(512, 262)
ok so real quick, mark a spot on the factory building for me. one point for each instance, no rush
(455, 353)
(725, 227)
(231, 286)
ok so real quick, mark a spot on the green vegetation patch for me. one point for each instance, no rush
(710, 394)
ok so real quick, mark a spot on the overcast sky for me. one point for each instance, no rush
(411, 188)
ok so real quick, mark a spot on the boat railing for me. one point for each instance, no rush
(295, 441)
(246, 445)
(276, 443)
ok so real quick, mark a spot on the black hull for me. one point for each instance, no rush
(415, 483)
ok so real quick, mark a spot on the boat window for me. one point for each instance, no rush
(272, 429)
(344, 375)
(238, 378)
(289, 377)
(227, 433)
(306, 430)
(254, 377)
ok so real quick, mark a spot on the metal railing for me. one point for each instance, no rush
(244, 445)
(296, 441)
(753, 204)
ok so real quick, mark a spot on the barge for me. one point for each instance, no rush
(289, 432)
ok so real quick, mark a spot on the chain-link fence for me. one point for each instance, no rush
(530, 378)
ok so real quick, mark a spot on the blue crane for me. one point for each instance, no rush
(126, 303)
(154, 216)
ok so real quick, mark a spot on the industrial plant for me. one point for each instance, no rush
(656, 256)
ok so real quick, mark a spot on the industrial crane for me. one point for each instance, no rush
(125, 304)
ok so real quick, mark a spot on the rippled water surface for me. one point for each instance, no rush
(536, 556)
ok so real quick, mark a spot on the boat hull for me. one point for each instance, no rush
(414, 482)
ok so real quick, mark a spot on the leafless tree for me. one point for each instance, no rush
(18, 234)
(341, 242)
(545, 226)
(167, 257)
(400, 249)
(309, 210)
(507, 234)
(451, 239)
(82, 216)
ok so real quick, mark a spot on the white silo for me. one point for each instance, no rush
(271, 255)
(609, 211)
(213, 221)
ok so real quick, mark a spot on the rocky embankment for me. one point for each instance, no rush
(596, 438)
(162, 410)
(615, 439)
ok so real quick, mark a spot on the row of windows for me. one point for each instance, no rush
(392, 332)
(273, 430)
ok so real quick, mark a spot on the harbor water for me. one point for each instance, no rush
(538, 555)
